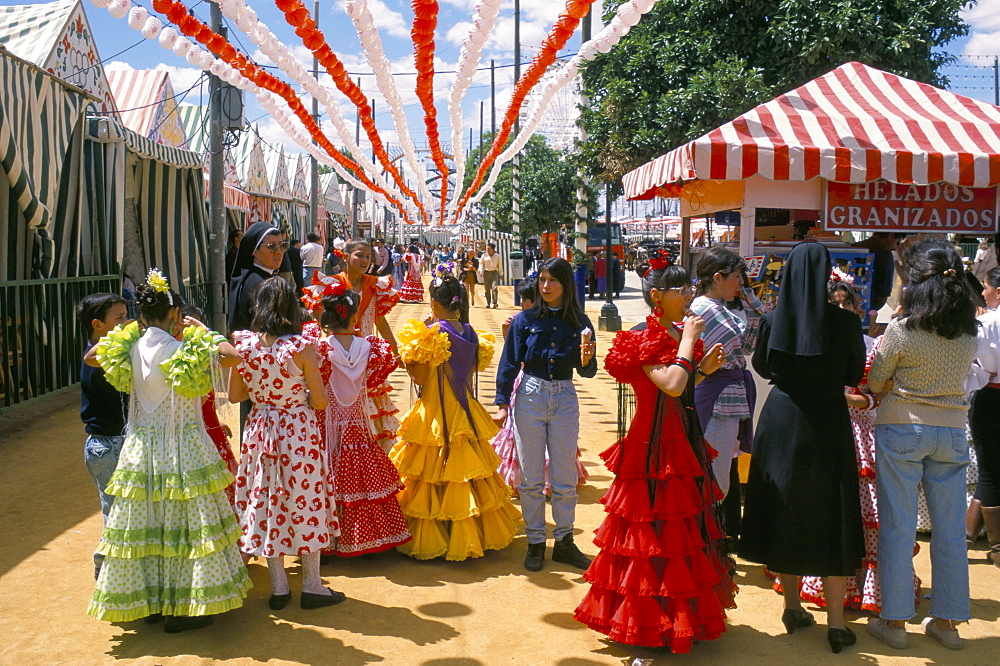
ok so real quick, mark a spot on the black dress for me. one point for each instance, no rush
(241, 297)
(802, 513)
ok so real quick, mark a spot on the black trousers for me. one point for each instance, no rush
(984, 421)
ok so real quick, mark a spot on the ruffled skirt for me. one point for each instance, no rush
(170, 543)
(660, 578)
(455, 503)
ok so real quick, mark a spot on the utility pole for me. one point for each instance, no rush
(516, 203)
(354, 191)
(581, 192)
(217, 236)
(996, 81)
(313, 164)
(493, 135)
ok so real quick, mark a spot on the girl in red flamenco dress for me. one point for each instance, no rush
(661, 578)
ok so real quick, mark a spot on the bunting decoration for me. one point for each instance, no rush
(178, 30)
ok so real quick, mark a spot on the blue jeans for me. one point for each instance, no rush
(905, 455)
(101, 457)
(547, 420)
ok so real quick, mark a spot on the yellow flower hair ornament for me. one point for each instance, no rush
(419, 343)
(159, 284)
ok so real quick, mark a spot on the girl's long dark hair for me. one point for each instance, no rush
(937, 297)
(716, 259)
(452, 295)
(276, 310)
(338, 310)
(661, 279)
(560, 269)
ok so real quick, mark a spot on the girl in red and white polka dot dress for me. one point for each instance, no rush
(284, 488)
(352, 367)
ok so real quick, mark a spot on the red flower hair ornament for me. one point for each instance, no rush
(322, 285)
(659, 260)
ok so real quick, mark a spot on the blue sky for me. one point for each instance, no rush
(972, 74)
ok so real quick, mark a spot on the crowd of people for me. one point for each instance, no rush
(851, 431)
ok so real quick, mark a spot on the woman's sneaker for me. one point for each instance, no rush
(888, 634)
(946, 637)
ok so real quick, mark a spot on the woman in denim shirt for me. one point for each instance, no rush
(551, 340)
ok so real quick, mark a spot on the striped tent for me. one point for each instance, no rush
(280, 187)
(195, 122)
(504, 242)
(146, 104)
(854, 125)
(329, 185)
(252, 170)
(56, 36)
(164, 187)
(298, 175)
(41, 143)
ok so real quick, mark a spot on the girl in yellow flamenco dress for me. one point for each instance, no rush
(454, 501)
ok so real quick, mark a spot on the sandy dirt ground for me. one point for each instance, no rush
(399, 611)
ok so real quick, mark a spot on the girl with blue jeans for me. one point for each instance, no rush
(921, 366)
(550, 340)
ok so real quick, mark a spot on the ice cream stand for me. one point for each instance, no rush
(857, 149)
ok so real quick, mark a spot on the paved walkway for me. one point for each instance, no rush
(399, 611)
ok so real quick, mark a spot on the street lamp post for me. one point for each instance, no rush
(609, 319)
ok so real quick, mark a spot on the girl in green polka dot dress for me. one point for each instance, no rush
(170, 543)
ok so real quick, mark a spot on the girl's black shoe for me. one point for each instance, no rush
(796, 618)
(838, 638)
(279, 601)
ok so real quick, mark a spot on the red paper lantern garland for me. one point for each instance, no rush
(178, 14)
(425, 14)
(553, 43)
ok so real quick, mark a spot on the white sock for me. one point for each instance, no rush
(279, 579)
(311, 580)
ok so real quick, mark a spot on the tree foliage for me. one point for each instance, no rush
(691, 65)
(548, 188)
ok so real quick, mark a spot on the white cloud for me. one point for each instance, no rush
(984, 15)
(181, 78)
(983, 43)
(984, 22)
(388, 21)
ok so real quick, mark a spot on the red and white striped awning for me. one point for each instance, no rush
(853, 125)
(233, 197)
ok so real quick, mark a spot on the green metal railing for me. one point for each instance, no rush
(199, 294)
(41, 343)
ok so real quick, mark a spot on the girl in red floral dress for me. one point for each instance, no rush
(367, 483)
(661, 578)
(284, 489)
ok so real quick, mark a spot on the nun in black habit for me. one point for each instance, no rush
(802, 514)
(259, 258)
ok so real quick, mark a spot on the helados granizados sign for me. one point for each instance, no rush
(879, 205)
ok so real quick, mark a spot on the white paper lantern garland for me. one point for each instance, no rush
(170, 39)
(246, 19)
(468, 62)
(627, 16)
(371, 43)
(151, 27)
